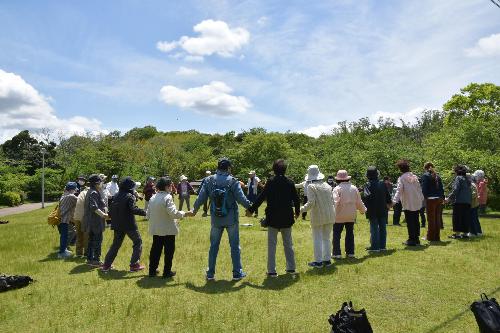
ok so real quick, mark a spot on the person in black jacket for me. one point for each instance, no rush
(123, 223)
(377, 200)
(280, 194)
(432, 189)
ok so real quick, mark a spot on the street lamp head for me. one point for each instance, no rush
(43, 151)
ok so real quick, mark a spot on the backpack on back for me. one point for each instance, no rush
(487, 313)
(218, 196)
(54, 217)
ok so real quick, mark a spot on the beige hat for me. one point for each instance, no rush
(342, 175)
(251, 173)
(208, 172)
(183, 178)
(313, 173)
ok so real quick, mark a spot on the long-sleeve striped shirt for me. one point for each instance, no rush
(67, 206)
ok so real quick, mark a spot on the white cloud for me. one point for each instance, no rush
(262, 21)
(485, 47)
(316, 131)
(23, 107)
(214, 98)
(166, 46)
(185, 71)
(192, 58)
(408, 117)
(216, 37)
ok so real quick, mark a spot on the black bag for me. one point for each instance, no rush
(348, 320)
(13, 282)
(263, 222)
(487, 313)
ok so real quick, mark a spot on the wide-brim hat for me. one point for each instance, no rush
(183, 178)
(103, 176)
(251, 173)
(127, 184)
(313, 173)
(342, 175)
(95, 179)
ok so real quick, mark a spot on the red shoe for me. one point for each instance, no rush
(136, 267)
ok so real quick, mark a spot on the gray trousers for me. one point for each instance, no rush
(134, 236)
(272, 240)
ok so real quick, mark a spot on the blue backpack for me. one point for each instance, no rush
(218, 196)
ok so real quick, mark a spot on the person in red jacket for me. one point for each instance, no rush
(149, 191)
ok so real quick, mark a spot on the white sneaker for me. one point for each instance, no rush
(65, 254)
(337, 256)
(479, 234)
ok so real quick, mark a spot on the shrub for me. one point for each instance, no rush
(10, 199)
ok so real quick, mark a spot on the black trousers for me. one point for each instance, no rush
(413, 226)
(422, 216)
(349, 237)
(398, 208)
(160, 243)
(461, 217)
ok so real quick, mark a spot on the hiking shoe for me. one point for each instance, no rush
(326, 263)
(369, 249)
(65, 254)
(272, 275)
(136, 267)
(168, 275)
(315, 264)
(106, 268)
(239, 276)
(95, 263)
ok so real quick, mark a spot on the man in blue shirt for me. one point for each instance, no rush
(223, 215)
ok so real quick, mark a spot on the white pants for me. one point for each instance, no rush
(322, 242)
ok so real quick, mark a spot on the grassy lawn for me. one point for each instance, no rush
(428, 289)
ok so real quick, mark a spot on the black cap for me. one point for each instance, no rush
(95, 179)
(82, 178)
(127, 184)
(163, 183)
(372, 173)
(223, 163)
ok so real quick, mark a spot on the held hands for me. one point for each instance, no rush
(248, 213)
(189, 214)
(297, 215)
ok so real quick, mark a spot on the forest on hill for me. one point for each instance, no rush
(466, 131)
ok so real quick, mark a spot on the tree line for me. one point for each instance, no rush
(466, 131)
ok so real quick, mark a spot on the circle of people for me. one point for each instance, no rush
(333, 206)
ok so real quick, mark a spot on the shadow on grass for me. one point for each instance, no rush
(84, 268)
(380, 254)
(421, 247)
(277, 283)
(439, 327)
(323, 270)
(439, 243)
(350, 261)
(216, 287)
(118, 275)
(50, 257)
(147, 282)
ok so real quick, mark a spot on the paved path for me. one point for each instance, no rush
(23, 208)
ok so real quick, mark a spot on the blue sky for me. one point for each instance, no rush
(217, 66)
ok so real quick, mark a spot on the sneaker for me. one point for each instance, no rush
(106, 268)
(210, 277)
(464, 236)
(95, 263)
(169, 275)
(327, 263)
(153, 274)
(65, 254)
(272, 275)
(384, 249)
(204, 214)
(239, 276)
(351, 255)
(136, 267)
(479, 234)
(337, 256)
(291, 271)
(455, 236)
(315, 264)
(409, 243)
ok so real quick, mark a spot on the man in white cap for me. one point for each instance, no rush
(184, 189)
(252, 187)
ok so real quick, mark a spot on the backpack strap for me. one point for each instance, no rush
(484, 297)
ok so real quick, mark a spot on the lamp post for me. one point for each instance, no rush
(43, 151)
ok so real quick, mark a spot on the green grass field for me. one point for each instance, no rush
(427, 289)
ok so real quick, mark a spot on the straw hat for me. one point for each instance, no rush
(183, 178)
(313, 173)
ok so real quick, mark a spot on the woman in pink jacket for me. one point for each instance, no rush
(410, 193)
(482, 190)
(347, 200)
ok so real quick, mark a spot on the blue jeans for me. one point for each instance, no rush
(378, 232)
(475, 226)
(63, 236)
(234, 242)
